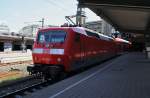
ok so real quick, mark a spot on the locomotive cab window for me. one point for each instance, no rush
(41, 38)
(52, 36)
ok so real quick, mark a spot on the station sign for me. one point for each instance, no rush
(7, 46)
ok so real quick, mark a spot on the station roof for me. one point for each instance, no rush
(13, 38)
(125, 15)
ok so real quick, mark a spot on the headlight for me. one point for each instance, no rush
(59, 59)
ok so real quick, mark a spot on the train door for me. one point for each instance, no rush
(82, 50)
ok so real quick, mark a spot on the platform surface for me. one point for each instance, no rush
(127, 76)
(15, 56)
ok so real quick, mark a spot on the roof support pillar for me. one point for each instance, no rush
(147, 40)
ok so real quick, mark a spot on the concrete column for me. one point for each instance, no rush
(147, 45)
(23, 44)
(80, 16)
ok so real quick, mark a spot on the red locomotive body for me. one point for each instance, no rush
(64, 49)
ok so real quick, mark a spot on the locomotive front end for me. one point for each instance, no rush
(49, 53)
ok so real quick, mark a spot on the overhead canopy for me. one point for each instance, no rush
(124, 15)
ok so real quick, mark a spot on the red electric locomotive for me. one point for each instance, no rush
(61, 50)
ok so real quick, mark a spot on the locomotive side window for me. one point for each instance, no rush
(92, 34)
(77, 37)
(53, 36)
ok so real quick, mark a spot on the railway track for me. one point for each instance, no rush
(7, 74)
(13, 70)
(40, 84)
(20, 93)
(18, 88)
(15, 63)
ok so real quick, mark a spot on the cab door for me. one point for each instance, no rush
(78, 51)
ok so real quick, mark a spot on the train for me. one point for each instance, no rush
(122, 45)
(57, 51)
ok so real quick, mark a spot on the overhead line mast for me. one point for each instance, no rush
(80, 18)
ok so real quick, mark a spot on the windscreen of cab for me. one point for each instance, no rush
(53, 36)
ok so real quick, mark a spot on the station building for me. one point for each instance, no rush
(12, 41)
(100, 26)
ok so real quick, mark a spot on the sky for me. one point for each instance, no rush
(19, 13)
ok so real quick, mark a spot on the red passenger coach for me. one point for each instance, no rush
(122, 45)
(61, 50)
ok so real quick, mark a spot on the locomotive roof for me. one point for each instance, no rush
(83, 31)
(79, 30)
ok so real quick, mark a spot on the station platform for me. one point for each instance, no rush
(15, 56)
(126, 76)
